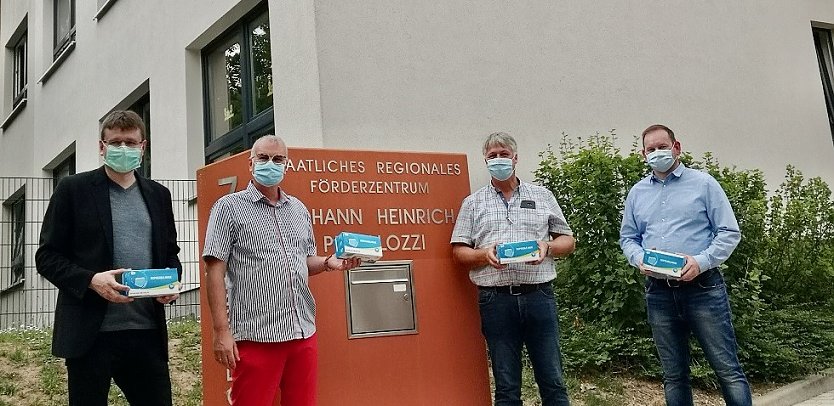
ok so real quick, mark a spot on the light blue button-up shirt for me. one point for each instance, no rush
(687, 213)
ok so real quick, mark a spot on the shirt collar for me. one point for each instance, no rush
(676, 173)
(253, 194)
(517, 188)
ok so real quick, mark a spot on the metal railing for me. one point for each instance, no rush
(27, 299)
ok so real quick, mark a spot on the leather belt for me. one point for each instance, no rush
(676, 283)
(516, 290)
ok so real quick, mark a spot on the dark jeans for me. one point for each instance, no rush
(508, 322)
(132, 358)
(677, 310)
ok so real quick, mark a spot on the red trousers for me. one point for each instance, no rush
(265, 367)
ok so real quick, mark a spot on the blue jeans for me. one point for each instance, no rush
(508, 322)
(700, 307)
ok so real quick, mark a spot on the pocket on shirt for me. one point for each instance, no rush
(534, 220)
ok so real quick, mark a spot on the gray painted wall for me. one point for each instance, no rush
(737, 78)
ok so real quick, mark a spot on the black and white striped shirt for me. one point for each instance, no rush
(265, 248)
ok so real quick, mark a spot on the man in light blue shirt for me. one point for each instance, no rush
(685, 211)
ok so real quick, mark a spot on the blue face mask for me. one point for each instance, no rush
(660, 159)
(500, 168)
(122, 159)
(269, 173)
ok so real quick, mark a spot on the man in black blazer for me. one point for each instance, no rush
(99, 224)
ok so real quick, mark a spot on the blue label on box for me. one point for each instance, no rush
(350, 245)
(663, 262)
(520, 251)
(151, 282)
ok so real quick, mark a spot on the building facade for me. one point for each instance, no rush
(749, 80)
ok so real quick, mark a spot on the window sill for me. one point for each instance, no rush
(15, 111)
(58, 61)
(14, 286)
(103, 9)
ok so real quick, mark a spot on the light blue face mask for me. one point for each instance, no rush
(122, 159)
(660, 159)
(269, 173)
(500, 168)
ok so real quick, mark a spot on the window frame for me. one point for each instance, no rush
(824, 44)
(20, 67)
(17, 263)
(60, 45)
(142, 107)
(67, 164)
(253, 125)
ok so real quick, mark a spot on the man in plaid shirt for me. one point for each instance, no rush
(516, 301)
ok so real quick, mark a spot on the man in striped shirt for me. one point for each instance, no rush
(516, 301)
(261, 241)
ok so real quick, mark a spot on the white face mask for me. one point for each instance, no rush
(660, 159)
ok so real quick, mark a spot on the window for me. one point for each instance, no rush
(237, 83)
(64, 169)
(15, 213)
(825, 49)
(143, 108)
(19, 79)
(16, 73)
(63, 25)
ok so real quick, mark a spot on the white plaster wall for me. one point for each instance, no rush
(158, 41)
(737, 78)
(16, 143)
(131, 43)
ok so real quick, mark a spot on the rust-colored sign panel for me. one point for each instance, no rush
(411, 201)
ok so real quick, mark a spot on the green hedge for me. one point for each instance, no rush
(778, 278)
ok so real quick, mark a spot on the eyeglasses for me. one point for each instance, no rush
(118, 143)
(263, 158)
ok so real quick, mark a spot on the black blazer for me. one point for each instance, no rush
(77, 241)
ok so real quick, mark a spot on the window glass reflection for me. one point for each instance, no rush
(261, 64)
(225, 87)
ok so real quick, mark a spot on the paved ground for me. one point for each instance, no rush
(826, 399)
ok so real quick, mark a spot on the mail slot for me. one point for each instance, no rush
(380, 300)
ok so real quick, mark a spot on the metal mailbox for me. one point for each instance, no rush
(380, 299)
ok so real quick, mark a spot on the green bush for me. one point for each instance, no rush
(598, 348)
(786, 343)
(801, 250)
(591, 182)
(778, 277)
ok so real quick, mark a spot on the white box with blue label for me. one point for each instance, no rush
(355, 245)
(663, 262)
(151, 282)
(518, 251)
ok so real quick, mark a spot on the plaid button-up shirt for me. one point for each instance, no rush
(485, 218)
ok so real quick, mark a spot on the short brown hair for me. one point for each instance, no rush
(655, 127)
(123, 120)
